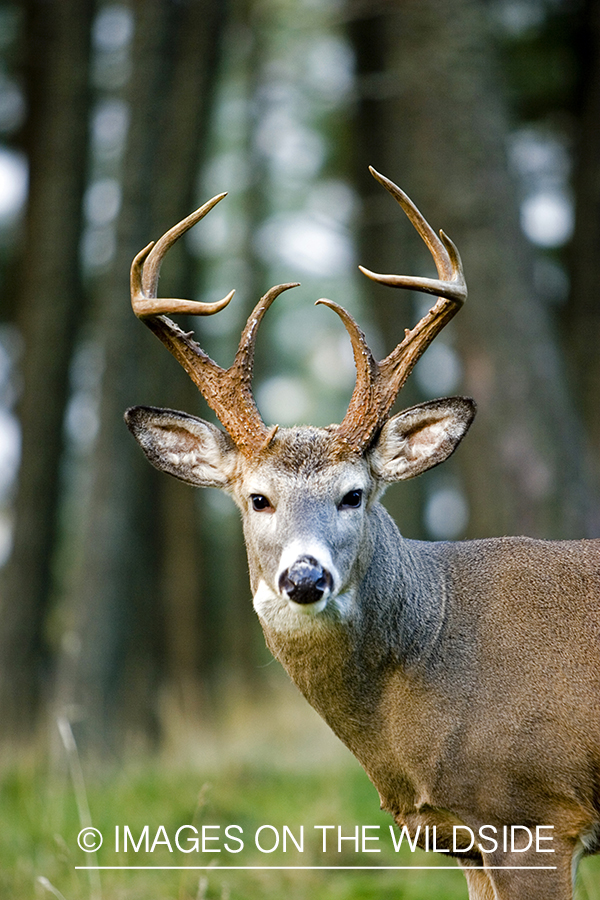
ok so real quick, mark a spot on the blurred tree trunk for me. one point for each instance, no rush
(49, 304)
(125, 630)
(241, 644)
(582, 318)
(191, 610)
(431, 117)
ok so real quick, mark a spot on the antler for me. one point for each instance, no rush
(378, 383)
(227, 391)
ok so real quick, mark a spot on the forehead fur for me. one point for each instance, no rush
(307, 450)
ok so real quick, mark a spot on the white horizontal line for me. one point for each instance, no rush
(285, 868)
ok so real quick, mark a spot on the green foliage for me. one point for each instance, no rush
(39, 826)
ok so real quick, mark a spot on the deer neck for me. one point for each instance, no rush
(342, 663)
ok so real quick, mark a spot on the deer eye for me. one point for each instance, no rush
(351, 500)
(260, 503)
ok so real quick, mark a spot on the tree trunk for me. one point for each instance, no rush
(50, 302)
(431, 117)
(582, 317)
(121, 616)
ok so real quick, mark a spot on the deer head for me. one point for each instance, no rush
(303, 492)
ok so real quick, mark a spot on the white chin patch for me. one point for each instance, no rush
(308, 609)
(281, 613)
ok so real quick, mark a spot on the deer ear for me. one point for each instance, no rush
(421, 437)
(184, 446)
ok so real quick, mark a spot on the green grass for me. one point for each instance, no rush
(40, 821)
(39, 824)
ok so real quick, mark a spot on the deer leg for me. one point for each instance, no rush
(553, 883)
(480, 886)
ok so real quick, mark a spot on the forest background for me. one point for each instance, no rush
(125, 605)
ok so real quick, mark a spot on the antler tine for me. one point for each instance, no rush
(227, 391)
(378, 383)
(365, 362)
(451, 283)
(145, 271)
(245, 352)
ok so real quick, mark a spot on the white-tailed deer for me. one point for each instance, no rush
(465, 677)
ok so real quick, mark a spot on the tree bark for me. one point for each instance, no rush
(124, 624)
(49, 306)
(582, 315)
(432, 118)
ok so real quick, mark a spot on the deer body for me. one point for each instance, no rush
(465, 677)
(454, 723)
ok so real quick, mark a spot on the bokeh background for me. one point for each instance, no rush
(125, 605)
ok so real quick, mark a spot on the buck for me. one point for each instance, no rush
(465, 676)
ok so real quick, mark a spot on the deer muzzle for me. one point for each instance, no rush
(305, 581)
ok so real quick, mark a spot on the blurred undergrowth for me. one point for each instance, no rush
(39, 825)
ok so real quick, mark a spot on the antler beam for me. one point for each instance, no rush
(378, 383)
(227, 391)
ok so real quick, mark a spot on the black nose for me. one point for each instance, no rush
(305, 581)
